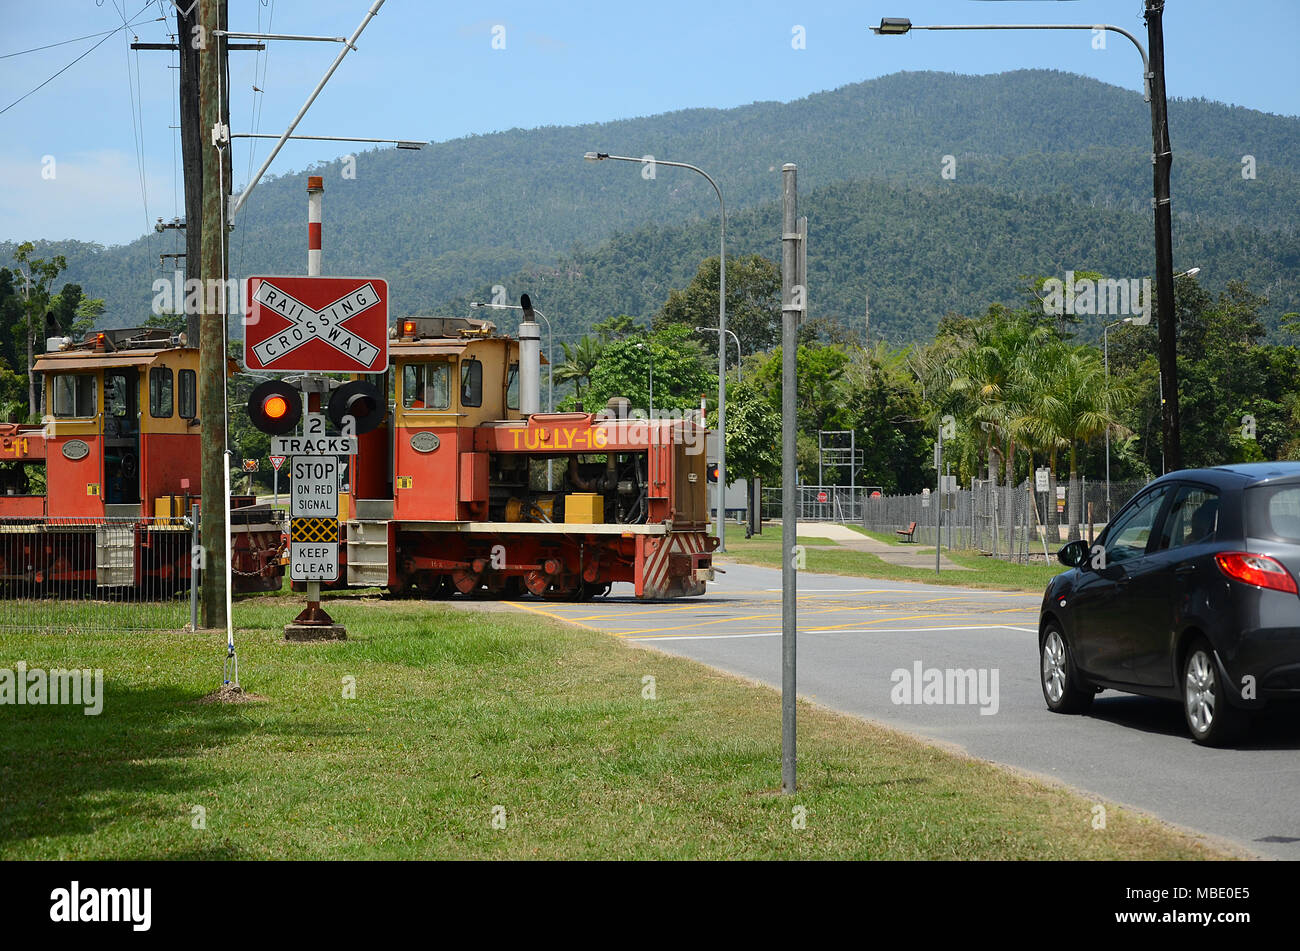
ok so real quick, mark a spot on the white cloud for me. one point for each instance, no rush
(92, 196)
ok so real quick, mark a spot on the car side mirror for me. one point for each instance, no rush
(1074, 555)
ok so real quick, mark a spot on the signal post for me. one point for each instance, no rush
(311, 326)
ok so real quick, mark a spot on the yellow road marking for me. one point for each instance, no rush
(558, 617)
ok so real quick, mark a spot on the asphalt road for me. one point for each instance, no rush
(855, 633)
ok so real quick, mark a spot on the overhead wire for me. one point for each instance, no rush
(83, 55)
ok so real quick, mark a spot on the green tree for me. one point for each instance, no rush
(753, 434)
(580, 360)
(38, 275)
(677, 364)
(753, 303)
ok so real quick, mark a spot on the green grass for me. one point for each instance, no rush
(765, 549)
(459, 711)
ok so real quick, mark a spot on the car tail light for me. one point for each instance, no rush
(1259, 570)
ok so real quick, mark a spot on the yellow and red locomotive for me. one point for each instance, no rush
(468, 487)
(97, 493)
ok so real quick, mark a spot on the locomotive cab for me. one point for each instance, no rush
(120, 424)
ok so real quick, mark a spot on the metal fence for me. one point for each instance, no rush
(95, 574)
(1010, 522)
(819, 503)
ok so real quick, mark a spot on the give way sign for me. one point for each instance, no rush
(322, 324)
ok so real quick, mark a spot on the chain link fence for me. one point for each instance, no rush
(1009, 522)
(94, 574)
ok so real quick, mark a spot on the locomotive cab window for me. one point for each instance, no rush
(187, 394)
(471, 383)
(512, 387)
(74, 395)
(426, 386)
(160, 392)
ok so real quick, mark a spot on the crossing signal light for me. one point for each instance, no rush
(275, 407)
(711, 472)
(360, 400)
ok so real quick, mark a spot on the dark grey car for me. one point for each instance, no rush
(1189, 594)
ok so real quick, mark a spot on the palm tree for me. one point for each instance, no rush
(1081, 407)
(579, 360)
(993, 376)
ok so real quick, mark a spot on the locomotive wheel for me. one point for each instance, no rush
(434, 587)
(466, 581)
(537, 582)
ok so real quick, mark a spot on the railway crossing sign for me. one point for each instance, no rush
(250, 465)
(313, 519)
(316, 324)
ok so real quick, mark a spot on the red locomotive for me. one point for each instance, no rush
(98, 493)
(467, 487)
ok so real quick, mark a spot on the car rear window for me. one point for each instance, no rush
(1273, 512)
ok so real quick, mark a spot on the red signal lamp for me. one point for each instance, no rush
(275, 407)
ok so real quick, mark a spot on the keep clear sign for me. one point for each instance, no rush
(313, 511)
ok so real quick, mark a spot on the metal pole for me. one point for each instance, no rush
(315, 193)
(347, 47)
(722, 323)
(938, 499)
(194, 581)
(790, 314)
(1105, 359)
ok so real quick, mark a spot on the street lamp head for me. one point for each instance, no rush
(596, 156)
(1191, 272)
(892, 26)
(410, 145)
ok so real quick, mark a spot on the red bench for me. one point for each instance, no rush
(909, 533)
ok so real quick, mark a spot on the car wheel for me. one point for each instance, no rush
(1062, 688)
(1211, 717)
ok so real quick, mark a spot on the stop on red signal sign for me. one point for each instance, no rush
(822, 496)
(322, 324)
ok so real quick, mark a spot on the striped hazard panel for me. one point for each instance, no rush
(656, 570)
(320, 530)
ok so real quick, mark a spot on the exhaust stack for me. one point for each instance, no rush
(530, 360)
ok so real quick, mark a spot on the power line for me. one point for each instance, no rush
(75, 61)
(50, 46)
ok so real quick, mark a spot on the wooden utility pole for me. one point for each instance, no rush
(191, 153)
(1162, 159)
(215, 151)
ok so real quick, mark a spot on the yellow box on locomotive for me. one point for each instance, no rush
(584, 508)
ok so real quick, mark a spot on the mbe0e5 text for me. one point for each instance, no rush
(1161, 894)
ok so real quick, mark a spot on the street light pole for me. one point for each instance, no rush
(739, 355)
(1153, 92)
(722, 325)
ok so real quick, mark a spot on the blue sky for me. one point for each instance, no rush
(425, 69)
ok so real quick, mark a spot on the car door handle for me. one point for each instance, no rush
(1186, 568)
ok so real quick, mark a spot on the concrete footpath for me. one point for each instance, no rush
(907, 556)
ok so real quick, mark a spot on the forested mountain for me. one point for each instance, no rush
(1052, 171)
(918, 253)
